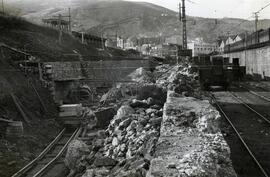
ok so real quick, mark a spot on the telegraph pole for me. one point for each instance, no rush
(256, 25)
(184, 21)
(60, 28)
(256, 21)
(3, 8)
(69, 19)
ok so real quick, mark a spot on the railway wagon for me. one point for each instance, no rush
(213, 74)
(217, 71)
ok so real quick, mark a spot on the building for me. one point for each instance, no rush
(175, 39)
(129, 44)
(170, 50)
(221, 46)
(229, 40)
(202, 48)
(120, 43)
(111, 43)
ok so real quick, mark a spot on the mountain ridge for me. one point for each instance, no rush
(143, 20)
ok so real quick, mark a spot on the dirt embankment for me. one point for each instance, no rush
(41, 128)
(148, 138)
(43, 43)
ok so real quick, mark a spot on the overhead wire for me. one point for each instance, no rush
(246, 19)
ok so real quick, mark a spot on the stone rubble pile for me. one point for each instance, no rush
(132, 134)
(147, 138)
(133, 131)
(140, 75)
(181, 80)
(126, 147)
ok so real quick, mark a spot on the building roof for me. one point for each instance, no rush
(241, 35)
(221, 39)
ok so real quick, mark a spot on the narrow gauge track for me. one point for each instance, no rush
(262, 93)
(251, 127)
(50, 161)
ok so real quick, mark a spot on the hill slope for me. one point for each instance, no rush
(40, 41)
(133, 19)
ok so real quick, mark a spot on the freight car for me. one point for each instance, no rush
(217, 71)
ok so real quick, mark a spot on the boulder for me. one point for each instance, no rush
(76, 150)
(124, 111)
(124, 124)
(150, 111)
(115, 142)
(158, 94)
(104, 162)
(139, 104)
(89, 173)
(112, 95)
(140, 75)
(104, 116)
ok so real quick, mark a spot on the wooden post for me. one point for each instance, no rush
(18, 105)
(40, 100)
(60, 29)
(82, 37)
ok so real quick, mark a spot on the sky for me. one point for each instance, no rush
(219, 8)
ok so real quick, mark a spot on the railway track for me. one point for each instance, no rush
(50, 161)
(250, 126)
(261, 95)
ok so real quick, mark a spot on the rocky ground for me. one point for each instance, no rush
(156, 130)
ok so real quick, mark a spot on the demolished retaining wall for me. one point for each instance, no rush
(190, 142)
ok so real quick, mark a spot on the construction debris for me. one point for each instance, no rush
(147, 138)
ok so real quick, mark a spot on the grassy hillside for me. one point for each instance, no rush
(40, 41)
(135, 19)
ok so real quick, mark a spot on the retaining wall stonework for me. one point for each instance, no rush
(107, 71)
(190, 142)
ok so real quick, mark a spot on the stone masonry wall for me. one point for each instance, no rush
(107, 71)
(190, 142)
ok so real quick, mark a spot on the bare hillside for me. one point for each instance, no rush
(129, 19)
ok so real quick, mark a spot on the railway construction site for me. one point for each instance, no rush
(73, 106)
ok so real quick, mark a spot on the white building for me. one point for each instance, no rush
(221, 46)
(238, 37)
(229, 40)
(202, 48)
(120, 43)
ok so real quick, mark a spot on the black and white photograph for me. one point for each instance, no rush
(134, 88)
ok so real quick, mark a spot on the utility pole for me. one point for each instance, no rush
(69, 19)
(256, 25)
(180, 13)
(256, 20)
(3, 8)
(184, 21)
(60, 28)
